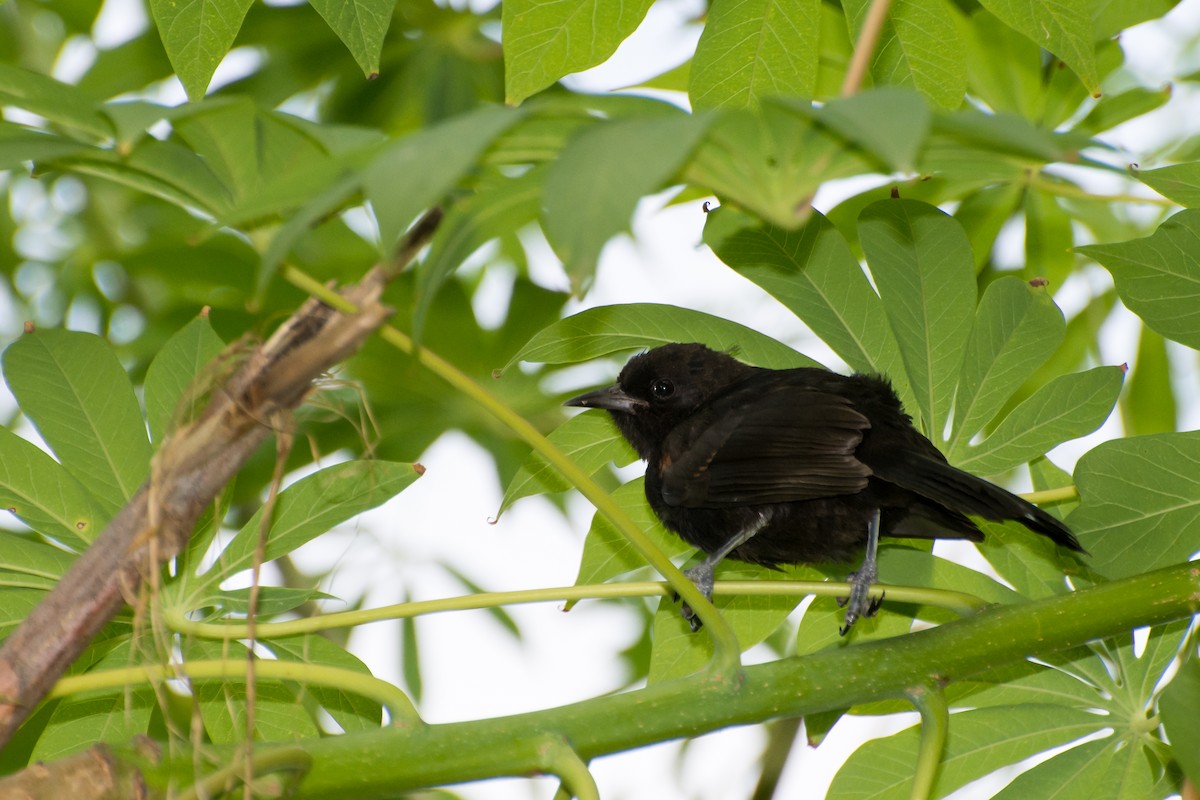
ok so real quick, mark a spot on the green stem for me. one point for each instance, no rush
(395, 701)
(365, 765)
(959, 602)
(279, 759)
(1052, 495)
(930, 701)
(726, 653)
(562, 761)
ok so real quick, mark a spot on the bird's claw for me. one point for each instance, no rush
(860, 603)
(702, 576)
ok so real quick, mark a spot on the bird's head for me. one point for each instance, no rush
(660, 388)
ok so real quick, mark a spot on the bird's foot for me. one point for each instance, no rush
(860, 603)
(702, 576)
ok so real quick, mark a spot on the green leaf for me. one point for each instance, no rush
(170, 397)
(1140, 504)
(1066, 408)
(1017, 328)
(1158, 277)
(19, 144)
(1032, 563)
(1074, 774)
(312, 506)
(272, 600)
(607, 168)
(590, 440)
(29, 563)
(678, 651)
(543, 41)
(42, 494)
(412, 173)
(1178, 182)
(919, 47)
(361, 25)
(922, 264)
(197, 36)
(80, 721)
(1004, 68)
(18, 602)
(1048, 235)
(279, 716)
(1149, 406)
(983, 213)
(772, 160)
(410, 652)
(605, 330)
(999, 135)
(1114, 109)
(74, 390)
(164, 169)
(353, 712)
(979, 742)
(751, 49)
(892, 124)
(56, 101)
(1063, 27)
(607, 553)
(498, 207)
(1180, 710)
(814, 274)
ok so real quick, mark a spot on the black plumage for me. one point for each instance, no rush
(792, 466)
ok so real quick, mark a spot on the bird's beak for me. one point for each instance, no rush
(611, 399)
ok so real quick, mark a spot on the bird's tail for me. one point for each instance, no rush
(956, 489)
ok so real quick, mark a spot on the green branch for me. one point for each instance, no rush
(397, 703)
(366, 765)
(959, 602)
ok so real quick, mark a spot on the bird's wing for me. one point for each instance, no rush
(764, 444)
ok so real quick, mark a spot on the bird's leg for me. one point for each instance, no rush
(702, 573)
(860, 603)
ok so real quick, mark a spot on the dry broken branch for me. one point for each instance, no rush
(192, 466)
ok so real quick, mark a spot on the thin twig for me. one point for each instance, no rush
(864, 48)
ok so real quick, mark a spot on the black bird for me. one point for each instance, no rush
(792, 466)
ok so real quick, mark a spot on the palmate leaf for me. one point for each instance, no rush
(1017, 328)
(979, 742)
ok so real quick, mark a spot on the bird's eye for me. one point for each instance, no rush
(662, 388)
